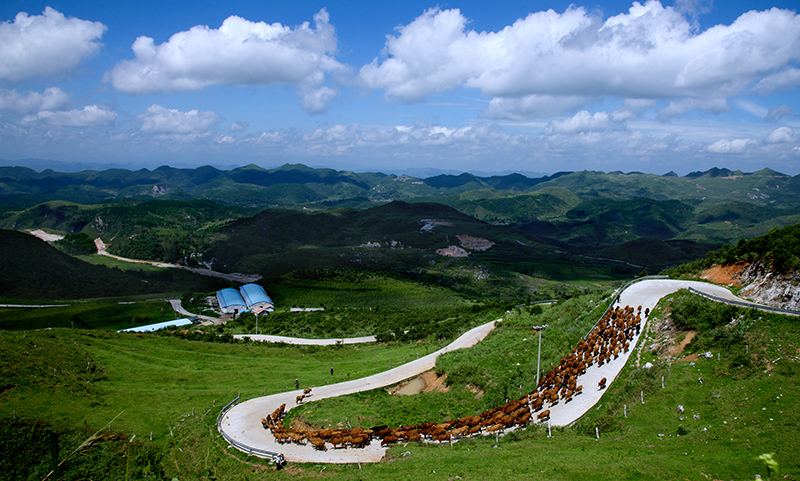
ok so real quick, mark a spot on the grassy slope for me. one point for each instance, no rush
(172, 376)
(157, 379)
(88, 315)
(35, 270)
(744, 415)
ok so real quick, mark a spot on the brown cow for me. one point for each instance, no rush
(318, 443)
(494, 428)
(602, 384)
(544, 415)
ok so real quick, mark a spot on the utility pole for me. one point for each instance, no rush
(539, 357)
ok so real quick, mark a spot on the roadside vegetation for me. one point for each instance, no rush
(779, 250)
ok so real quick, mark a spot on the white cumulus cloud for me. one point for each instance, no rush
(52, 98)
(160, 120)
(780, 135)
(239, 52)
(89, 116)
(45, 44)
(735, 146)
(532, 106)
(582, 122)
(650, 52)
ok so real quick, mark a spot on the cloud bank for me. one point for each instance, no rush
(52, 98)
(239, 52)
(651, 52)
(45, 44)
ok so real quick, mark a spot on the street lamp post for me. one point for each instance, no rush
(539, 357)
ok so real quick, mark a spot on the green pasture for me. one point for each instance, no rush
(744, 412)
(88, 315)
(745, 403)
(69, 377)
(346, 289)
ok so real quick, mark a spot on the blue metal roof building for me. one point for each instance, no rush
(160, 325)
(256, 298)
(230, 300)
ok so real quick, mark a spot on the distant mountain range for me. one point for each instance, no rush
(293, 184)
(170, 213)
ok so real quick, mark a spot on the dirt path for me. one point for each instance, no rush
(177, 307)
(45, 236)
(233, 277)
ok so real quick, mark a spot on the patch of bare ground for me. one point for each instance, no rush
(725, 275)
(478, 392)
(434, 383)
(299, 424)
(665, 338)
(425, 382)
(677, 349)
(474, 243)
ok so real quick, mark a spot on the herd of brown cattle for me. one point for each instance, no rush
(610, 337)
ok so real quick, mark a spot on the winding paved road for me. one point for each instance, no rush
(242, 422)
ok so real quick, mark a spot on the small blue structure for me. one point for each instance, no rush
(230, 300)
(160, 325)
(256, 298)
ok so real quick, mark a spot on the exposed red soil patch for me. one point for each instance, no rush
(677, 349)
(725, 275)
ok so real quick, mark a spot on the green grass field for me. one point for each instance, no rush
(88, 315)
(74, 382)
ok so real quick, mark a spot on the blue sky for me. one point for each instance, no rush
(402, 86)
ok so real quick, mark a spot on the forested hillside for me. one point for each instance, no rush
(32, 269)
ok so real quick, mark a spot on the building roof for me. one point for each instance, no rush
(255, 295)
(229, 298)
(160, 325)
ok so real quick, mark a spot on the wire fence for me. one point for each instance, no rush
(745, 304)
(261, 453)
